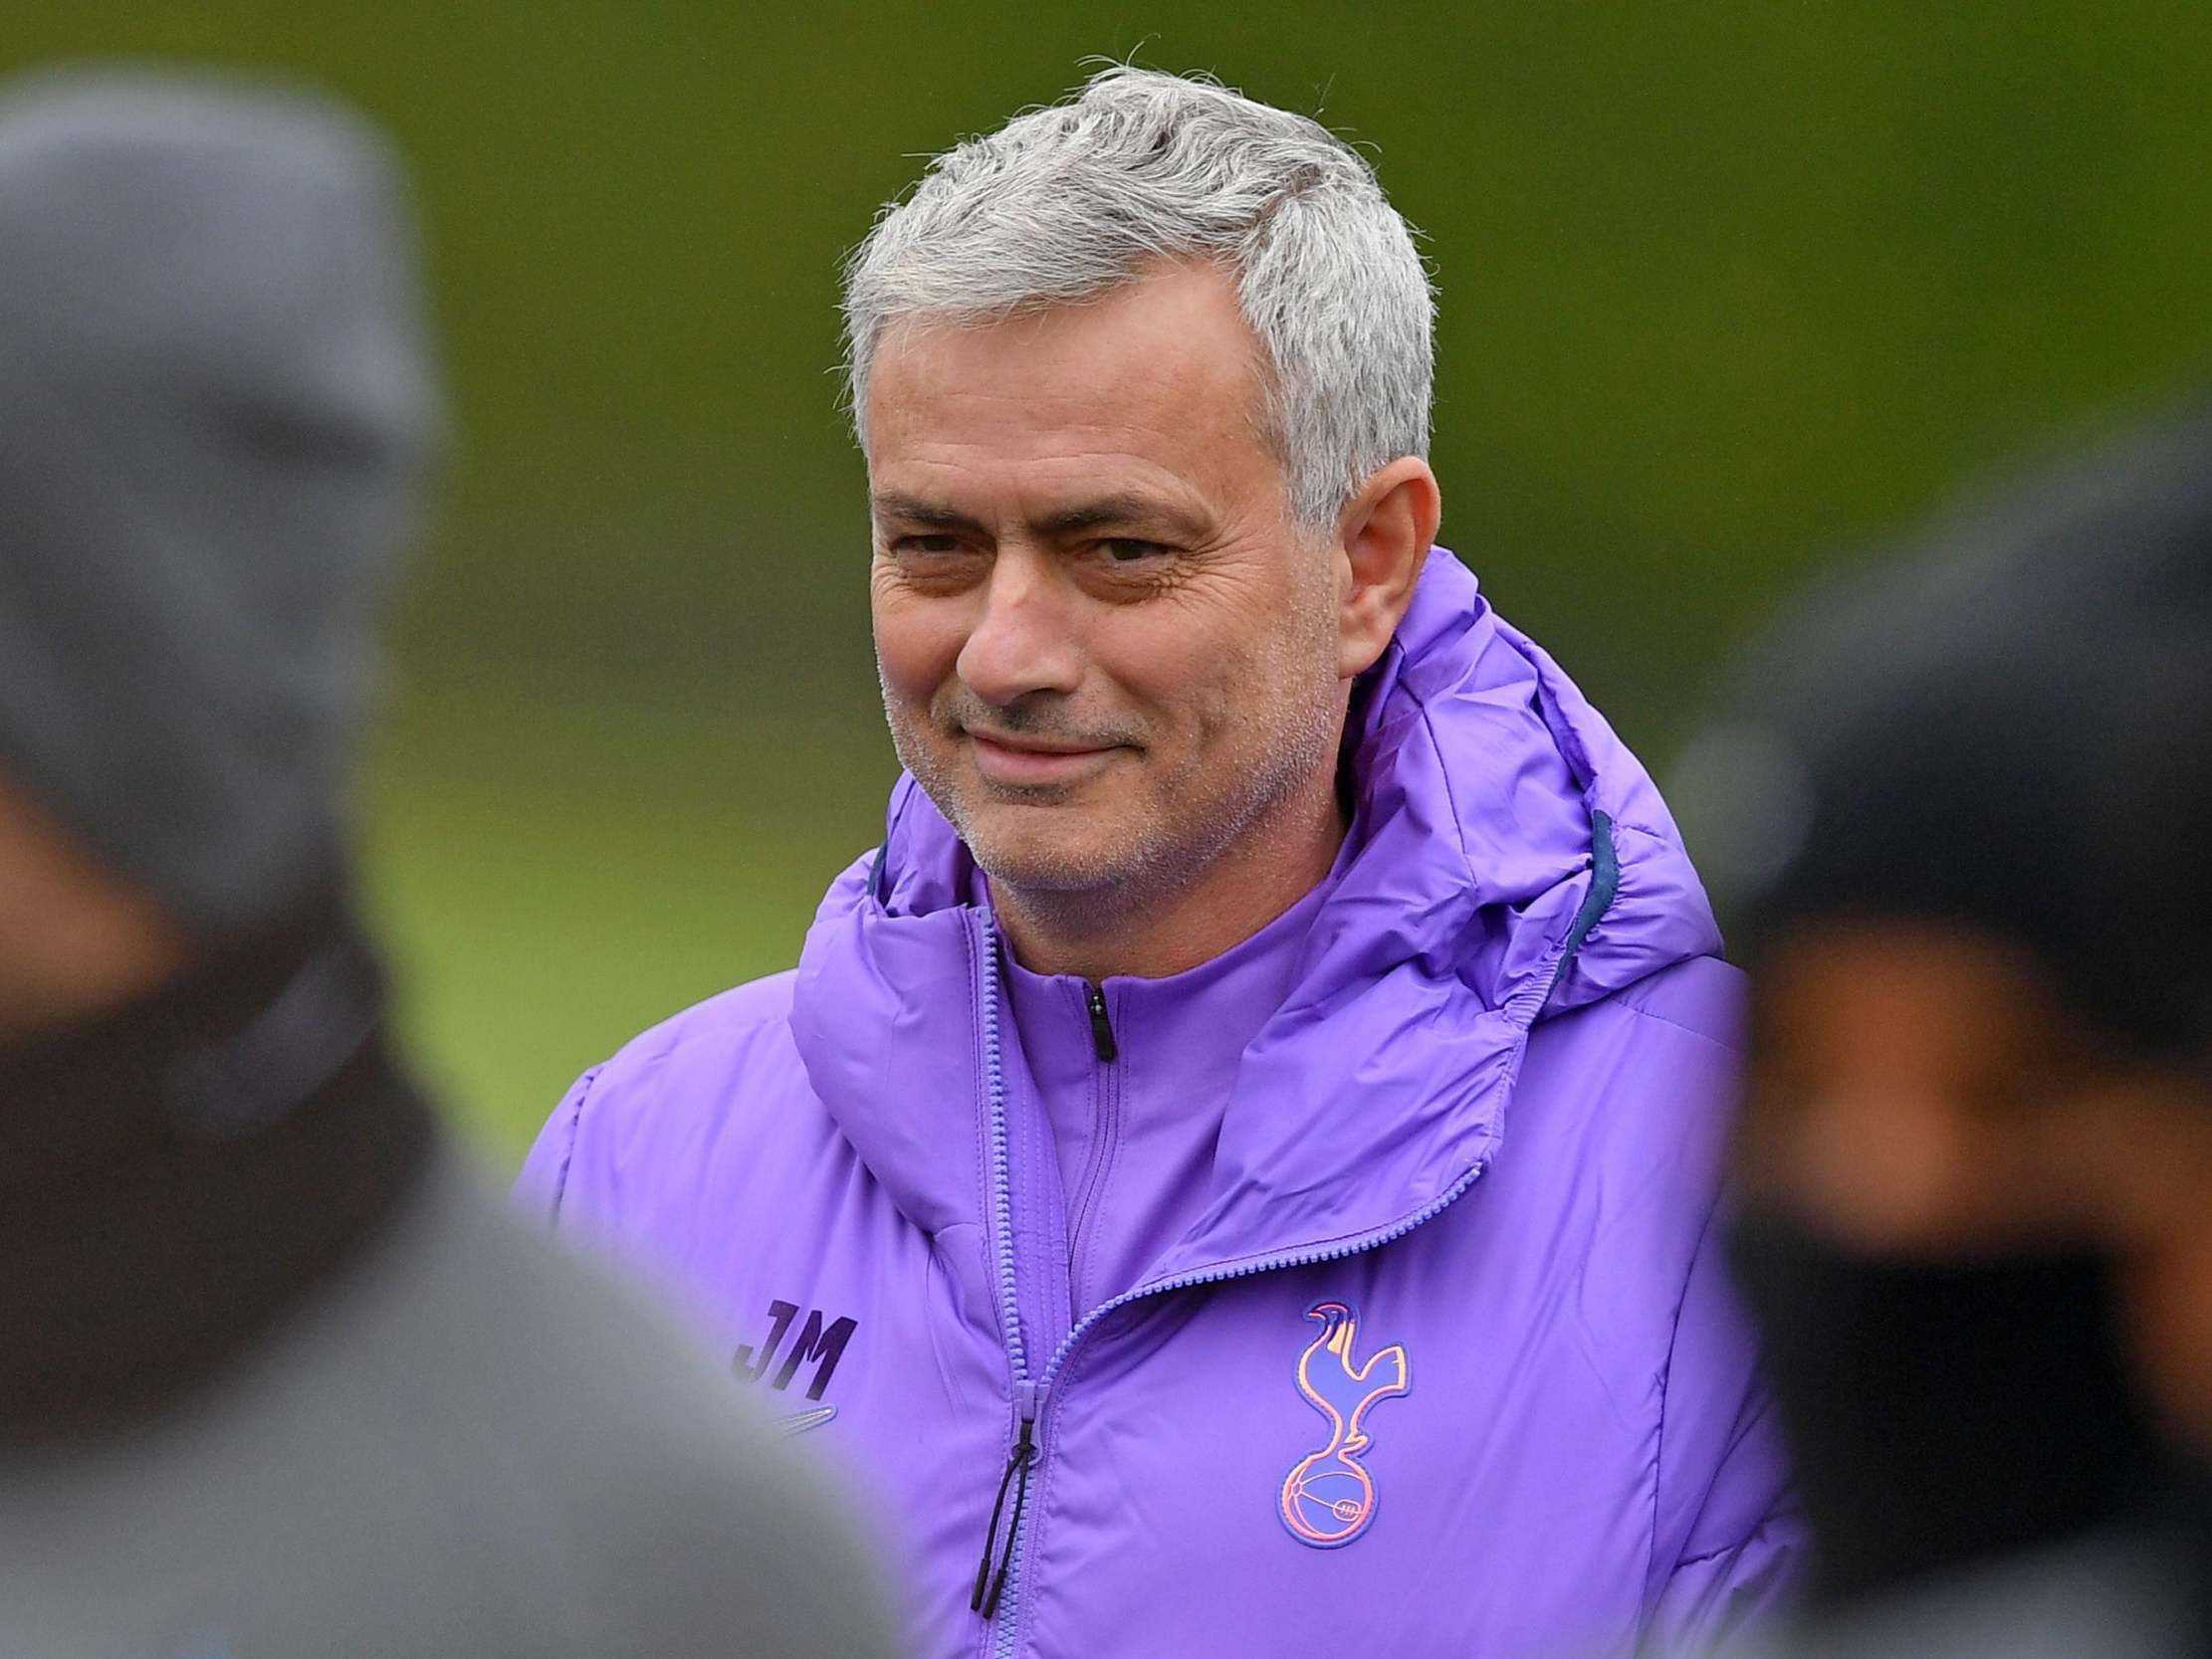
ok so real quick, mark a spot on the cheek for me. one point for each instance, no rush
(1178, 678)
(918, 641)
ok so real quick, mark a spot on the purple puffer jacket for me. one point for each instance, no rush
(1440, 1359)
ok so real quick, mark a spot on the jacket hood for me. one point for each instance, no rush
(1508, 860)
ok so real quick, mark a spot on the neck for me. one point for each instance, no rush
(1150, 926)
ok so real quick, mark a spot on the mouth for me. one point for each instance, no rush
(1025, 762)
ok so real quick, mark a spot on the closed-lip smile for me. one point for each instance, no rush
(1032, 760)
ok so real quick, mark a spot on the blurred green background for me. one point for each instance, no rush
(1726, 288)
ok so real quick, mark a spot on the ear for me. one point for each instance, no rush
(1383, 539)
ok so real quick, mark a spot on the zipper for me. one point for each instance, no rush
(1102, 1028)
(989, 1584)
(1100, 1164)
(1260, 1264)
(999, 1587)
(1004, 1582)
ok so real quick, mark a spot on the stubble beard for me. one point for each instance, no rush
(1254, 756)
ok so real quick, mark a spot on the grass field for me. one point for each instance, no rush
(556, 877)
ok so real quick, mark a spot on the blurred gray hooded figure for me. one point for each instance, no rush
(279, 1377)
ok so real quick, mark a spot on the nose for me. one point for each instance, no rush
(1026, 637)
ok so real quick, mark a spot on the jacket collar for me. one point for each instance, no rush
(1507, 859)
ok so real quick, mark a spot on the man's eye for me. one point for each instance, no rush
(926, 544)
(1127, 550)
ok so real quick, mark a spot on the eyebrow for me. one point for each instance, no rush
(1133, 511)
(914, 509)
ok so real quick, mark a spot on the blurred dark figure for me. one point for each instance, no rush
(1965, 829)
(277, 1377)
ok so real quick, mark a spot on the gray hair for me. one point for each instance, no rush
(1067, 203)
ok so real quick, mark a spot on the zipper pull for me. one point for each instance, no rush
(1102, 1028)
(989, 1584)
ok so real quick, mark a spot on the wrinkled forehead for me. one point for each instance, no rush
(1161, 375)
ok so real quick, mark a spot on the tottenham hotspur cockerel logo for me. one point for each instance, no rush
(1328, 1498)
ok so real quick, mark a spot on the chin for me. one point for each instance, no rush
(1033, 863)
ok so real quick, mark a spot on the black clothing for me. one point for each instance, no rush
(177, 1175)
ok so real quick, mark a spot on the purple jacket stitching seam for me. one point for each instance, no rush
(1651, 1589)
(585, 1084)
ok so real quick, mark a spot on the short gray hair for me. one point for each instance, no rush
(1067, 203)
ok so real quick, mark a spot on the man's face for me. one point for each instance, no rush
(1106, 651)
(73, 939)
(1909, 1082)
(1919, 1090)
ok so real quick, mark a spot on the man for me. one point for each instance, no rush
(1963, 813)
(1235, 1167)
(280, 1377)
